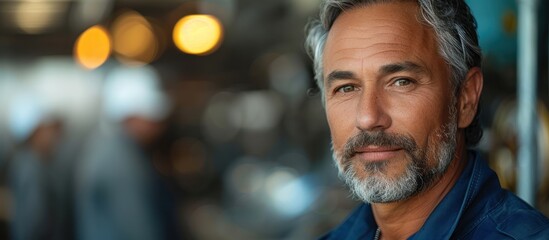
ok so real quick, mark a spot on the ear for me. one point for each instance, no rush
(469, 97)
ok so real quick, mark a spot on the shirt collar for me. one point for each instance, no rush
(445, 217)
(364, 226)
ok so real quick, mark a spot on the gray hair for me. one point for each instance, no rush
(454, 27)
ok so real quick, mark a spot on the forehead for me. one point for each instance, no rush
(380, 33)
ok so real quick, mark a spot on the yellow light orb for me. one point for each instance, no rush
(93, 47)
(198, 34)
(134, 39)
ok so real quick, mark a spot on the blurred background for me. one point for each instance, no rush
(192, 119)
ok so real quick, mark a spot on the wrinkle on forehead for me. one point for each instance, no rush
(384, 23)
(363, 33)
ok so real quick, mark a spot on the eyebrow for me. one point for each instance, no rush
(384, 70)
(405, 66)
(339, 75)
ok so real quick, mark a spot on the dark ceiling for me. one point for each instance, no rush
(34, 28)
(50, 26)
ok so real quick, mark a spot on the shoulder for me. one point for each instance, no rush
(517, 219)
(511, 218)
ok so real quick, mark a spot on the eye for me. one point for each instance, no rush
(401, 82)
(346, 89)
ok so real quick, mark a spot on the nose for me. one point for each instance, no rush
(372, 115)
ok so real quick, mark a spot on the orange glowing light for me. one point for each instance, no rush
(93, 47)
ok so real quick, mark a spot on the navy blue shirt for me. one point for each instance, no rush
(476, 208)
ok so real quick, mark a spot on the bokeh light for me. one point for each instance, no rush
(198, 34)
(217, 124)
(288, 75)
(36, 17)
(93, 47)
(257, 111)
(289, 194)
(134, 39)
(246, 177)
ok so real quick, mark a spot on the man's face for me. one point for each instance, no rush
(389, 103)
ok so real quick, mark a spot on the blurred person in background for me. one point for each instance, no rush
(42, 207)
(120, 195)
(401, 83)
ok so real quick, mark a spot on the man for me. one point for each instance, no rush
(401, 83)
(119, 194)
(35, 171)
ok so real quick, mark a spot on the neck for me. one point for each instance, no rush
(399, 220)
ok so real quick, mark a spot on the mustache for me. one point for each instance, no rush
(378, 138)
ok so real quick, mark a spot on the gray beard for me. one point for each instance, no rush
(377, 187)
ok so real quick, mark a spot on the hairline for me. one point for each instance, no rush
(455, 75)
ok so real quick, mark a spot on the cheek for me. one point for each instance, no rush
(341, 122)
(420, 116)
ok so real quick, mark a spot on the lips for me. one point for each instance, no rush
(377, 153)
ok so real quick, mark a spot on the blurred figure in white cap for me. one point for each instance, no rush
(119, 193)
(36, 134)
(133, 97)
